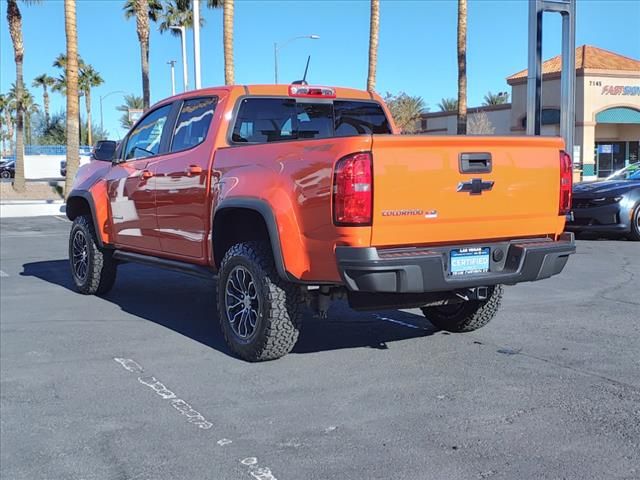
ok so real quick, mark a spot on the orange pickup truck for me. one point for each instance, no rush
(296, 194)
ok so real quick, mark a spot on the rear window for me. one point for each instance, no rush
(265, 120)
(359, 118)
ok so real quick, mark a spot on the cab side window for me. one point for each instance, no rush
(359, 118)
(193, 123)
(264, 120)
(144, 140)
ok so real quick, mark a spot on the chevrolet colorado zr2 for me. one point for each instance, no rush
(295, 195)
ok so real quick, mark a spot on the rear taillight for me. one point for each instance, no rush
(566, 183)
(353, 190)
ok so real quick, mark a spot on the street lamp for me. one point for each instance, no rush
(173, 76)
(276, 49)
(185, 75)
(102, 97)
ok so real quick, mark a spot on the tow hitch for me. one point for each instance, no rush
(475, 293)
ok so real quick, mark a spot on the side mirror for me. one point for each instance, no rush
(105, 151)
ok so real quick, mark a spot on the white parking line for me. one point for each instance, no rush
(254, 470)
(398, 322)
(62, 219)
(3, 274)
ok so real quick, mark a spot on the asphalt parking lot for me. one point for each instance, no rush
(139, 385)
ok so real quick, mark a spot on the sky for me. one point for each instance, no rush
(417, 52)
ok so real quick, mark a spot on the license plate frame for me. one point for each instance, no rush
(469, 261)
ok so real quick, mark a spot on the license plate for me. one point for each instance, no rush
(466, 261)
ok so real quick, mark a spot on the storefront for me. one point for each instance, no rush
(607, 134)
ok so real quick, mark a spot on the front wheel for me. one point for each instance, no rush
(260, 314)
(465, 316)
(5, 174)
(93, 268)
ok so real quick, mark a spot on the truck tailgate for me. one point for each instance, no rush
(431, 190)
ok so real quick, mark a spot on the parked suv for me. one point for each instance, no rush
(297, 195)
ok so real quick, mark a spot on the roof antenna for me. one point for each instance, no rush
(304, 78)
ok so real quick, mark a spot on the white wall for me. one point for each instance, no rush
(45, 166)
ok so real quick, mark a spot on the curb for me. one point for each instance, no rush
(31, 209)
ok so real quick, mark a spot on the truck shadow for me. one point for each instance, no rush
(187, 305)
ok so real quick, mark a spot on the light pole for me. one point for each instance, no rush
(102, 97)
(196, 42)
(276, 49)
(173, 76)
(185, 74)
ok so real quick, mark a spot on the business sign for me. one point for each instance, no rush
(620, 90)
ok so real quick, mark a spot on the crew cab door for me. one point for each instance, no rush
(131, 183)
(182, 181)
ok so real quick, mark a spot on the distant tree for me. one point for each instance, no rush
(29, 107)
(89, 78)
(462, 67)
(130, 102)
(144, 11)
(14, 19)
(495, 98)
(5, 122)
(448, 105)
(178, 14)
(479, 124)
(406, 110)
(374, 31)
(44, 81)
(73, 107)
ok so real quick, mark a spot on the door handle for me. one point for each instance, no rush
(146, 174)
(194, 170)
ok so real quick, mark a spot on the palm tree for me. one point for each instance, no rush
(44, 81)
(131, 102)
(448, 105)
(29, 107)
(177, 14)
(373, 44)
(14, 19)
(4, 103)
(144, 12)
(89, 78)
(229, 77)
(406, 111)
(462, 67)
(73, 125)
(499, 98)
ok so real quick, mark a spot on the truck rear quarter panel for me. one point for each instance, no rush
(294, 178)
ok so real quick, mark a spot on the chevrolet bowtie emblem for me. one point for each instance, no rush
(475, 186)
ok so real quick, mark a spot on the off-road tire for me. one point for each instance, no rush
(467, 316)
(279, 318)
(101, 266)
(635, 227)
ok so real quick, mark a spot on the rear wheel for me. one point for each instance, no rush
(635, 224)
(260, 314)
(93, 268)
(465, 316)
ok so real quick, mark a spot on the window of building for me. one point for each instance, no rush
(548, 116)
(193, 123)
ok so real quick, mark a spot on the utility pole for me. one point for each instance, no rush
(196, 42)
(173, 76)
(183, 41)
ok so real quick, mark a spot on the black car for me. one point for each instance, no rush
(8, 169)
(610, 206)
